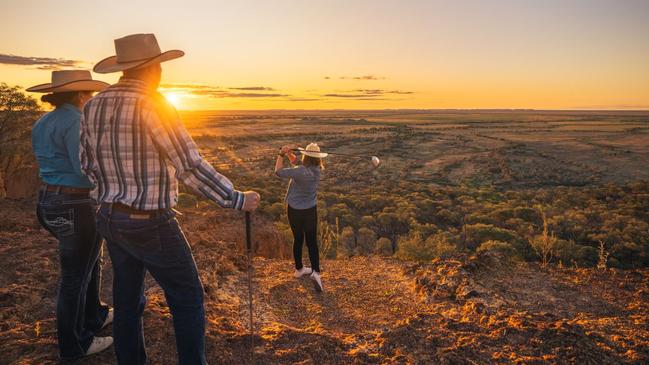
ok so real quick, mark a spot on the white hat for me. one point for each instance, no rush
(313, 150)
(70, 80)
(135, 51)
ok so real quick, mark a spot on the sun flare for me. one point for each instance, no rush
(174, 98)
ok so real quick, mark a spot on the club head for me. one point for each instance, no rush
(375, 161)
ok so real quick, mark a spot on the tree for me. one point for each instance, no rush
(17, 114)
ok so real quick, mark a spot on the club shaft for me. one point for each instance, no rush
(249, 257)
(331, 153)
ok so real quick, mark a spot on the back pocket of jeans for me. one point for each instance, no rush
(60, 222)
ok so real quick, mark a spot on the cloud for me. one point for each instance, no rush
(187, 86)
(349, 95)
(253, 88)
(367, 94)
(304, 99)
(381, 91)
(363, 78)
(251, 95)
(221, 92)
(41, 63)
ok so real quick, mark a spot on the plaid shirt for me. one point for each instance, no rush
(134, 148)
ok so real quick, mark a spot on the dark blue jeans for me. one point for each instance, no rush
(79, 312)
(156, 245)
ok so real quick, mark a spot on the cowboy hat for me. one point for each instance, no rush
(313, 150)
(135, 51)
(69, 80)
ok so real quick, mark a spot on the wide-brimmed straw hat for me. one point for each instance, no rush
(135, 51)
(70, 80)
(313, 150)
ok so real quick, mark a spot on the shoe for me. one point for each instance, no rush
(317, 282)
(303, 271)
(109, 318)
(99, 344)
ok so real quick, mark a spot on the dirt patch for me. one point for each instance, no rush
(373, 310)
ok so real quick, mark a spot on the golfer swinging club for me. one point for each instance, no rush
(301, 199)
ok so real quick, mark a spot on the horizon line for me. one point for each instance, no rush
(642, 110)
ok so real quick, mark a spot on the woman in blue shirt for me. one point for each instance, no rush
(301, 201)
(66, 210)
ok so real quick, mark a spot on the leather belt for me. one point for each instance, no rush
(64, 189)
(135, 213)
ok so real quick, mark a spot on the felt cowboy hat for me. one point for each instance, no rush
(135, 51)
(313, 150)
(69, 80)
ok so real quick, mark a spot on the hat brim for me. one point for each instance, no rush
(314, 154)
(78, 85)
(110, 64)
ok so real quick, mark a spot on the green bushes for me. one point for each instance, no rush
(413, 247)
(502, 248)
(186, 200)
(479, 233)
(365, 241)
(383, 247)
(346, 243)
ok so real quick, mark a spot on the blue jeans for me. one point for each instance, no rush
(79, 312)
(156, 245)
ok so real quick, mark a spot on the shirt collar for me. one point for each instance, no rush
(70, 107)
(134, 83)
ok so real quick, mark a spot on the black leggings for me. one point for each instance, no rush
(304, 224)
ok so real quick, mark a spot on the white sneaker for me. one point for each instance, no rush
(317, 282)
(109, 318)
(303, 271)
(99, 344)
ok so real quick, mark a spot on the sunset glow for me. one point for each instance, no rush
(578, 54)
(174, 98)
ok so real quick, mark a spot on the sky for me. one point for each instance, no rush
(312, 54)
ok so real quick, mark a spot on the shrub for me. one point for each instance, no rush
(186, 200)
(413, 247)
(479, 233)
(567, 251)
(383, 247)
(504, 249)
(276, 210)
(544, 244)
(365, 241)
(346, 243)
(587, 256)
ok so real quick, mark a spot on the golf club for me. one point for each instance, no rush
(249, 269)
(375, 160)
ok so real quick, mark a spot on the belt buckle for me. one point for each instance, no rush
(139, 216)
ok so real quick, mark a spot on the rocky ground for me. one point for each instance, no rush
(374, 310)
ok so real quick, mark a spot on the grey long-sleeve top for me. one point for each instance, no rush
(303, 187)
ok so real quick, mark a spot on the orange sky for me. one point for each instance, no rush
(569, 54)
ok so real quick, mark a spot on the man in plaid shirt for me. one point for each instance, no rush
(134, 148)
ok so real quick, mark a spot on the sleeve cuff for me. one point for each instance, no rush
(237, 199)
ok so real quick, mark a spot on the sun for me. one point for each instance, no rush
(174, 98)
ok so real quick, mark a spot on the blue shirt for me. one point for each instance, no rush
(303, 187)
(55, 141)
